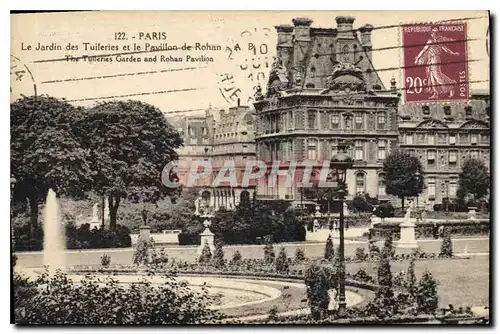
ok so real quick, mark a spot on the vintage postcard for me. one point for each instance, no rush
(250, 167)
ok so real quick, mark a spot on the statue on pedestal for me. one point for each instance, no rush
(197, 206)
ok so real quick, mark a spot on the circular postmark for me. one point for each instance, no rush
(248, 59)
(22, 83)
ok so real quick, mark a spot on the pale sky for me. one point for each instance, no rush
(214, 28)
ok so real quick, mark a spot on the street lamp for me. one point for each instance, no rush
(13, 182)
(339, 164)
(418, 177)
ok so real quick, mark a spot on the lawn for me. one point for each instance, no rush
(461, 282)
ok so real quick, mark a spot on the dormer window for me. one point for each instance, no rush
(447, 110)
(468, 110)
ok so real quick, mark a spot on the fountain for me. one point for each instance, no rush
(54, 234)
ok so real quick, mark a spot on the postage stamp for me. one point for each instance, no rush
(435, 64)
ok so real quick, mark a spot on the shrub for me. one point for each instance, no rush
(360, 254)
(426, 294)
(318, 283)
(359, 204)
(269, 252)
(206, 254)
(389, 249)
(159, 256)
(142, 252)
(384, 274)
(446, 246)
(299, 255)
(236, 257)
(273, 314)
(384, 210)
(89, 302)
(362, 276)
(282, 261)
(329, 250)
(411, 280)
(105, 260)
(218, 260)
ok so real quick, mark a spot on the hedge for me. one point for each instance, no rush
(429, 229)
(81, 237)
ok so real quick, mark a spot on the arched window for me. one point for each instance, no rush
(360, 183)
(381, 184)
(245, 197)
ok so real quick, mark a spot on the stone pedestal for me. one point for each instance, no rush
(375, 220)
(206, 237)
(144, 232)
(346, 209)
(407, 241)
(472, 213)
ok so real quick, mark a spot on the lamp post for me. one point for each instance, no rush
(13, 182)
(339, 164)
(418, 177)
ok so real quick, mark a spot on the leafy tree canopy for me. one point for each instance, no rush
(46, 151)
(130, 142)
(400, 169)
(474, 179)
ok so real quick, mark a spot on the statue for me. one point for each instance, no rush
(408, 212)
(257, 95)
(197, 206)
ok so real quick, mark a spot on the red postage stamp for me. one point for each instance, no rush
(435, 62)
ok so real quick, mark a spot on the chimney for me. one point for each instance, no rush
(302, 29)
(365, 33)
(284, 47)
(344, 27)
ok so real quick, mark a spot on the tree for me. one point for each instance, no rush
(427, 298)
(384, 271)
(130, 142)
(299, 255)
(388, 248)
(218, 260)
(318, 281)
(269, 252)
(400, 169)
(282, 261)
(206, 254)
(46, 151)
(329, 250)
(446, 245)
(411, 280)
(385, 294)
(474, 179)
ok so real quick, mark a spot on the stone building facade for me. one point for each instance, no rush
(227, 138)
(443, 136)
(322, 89)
